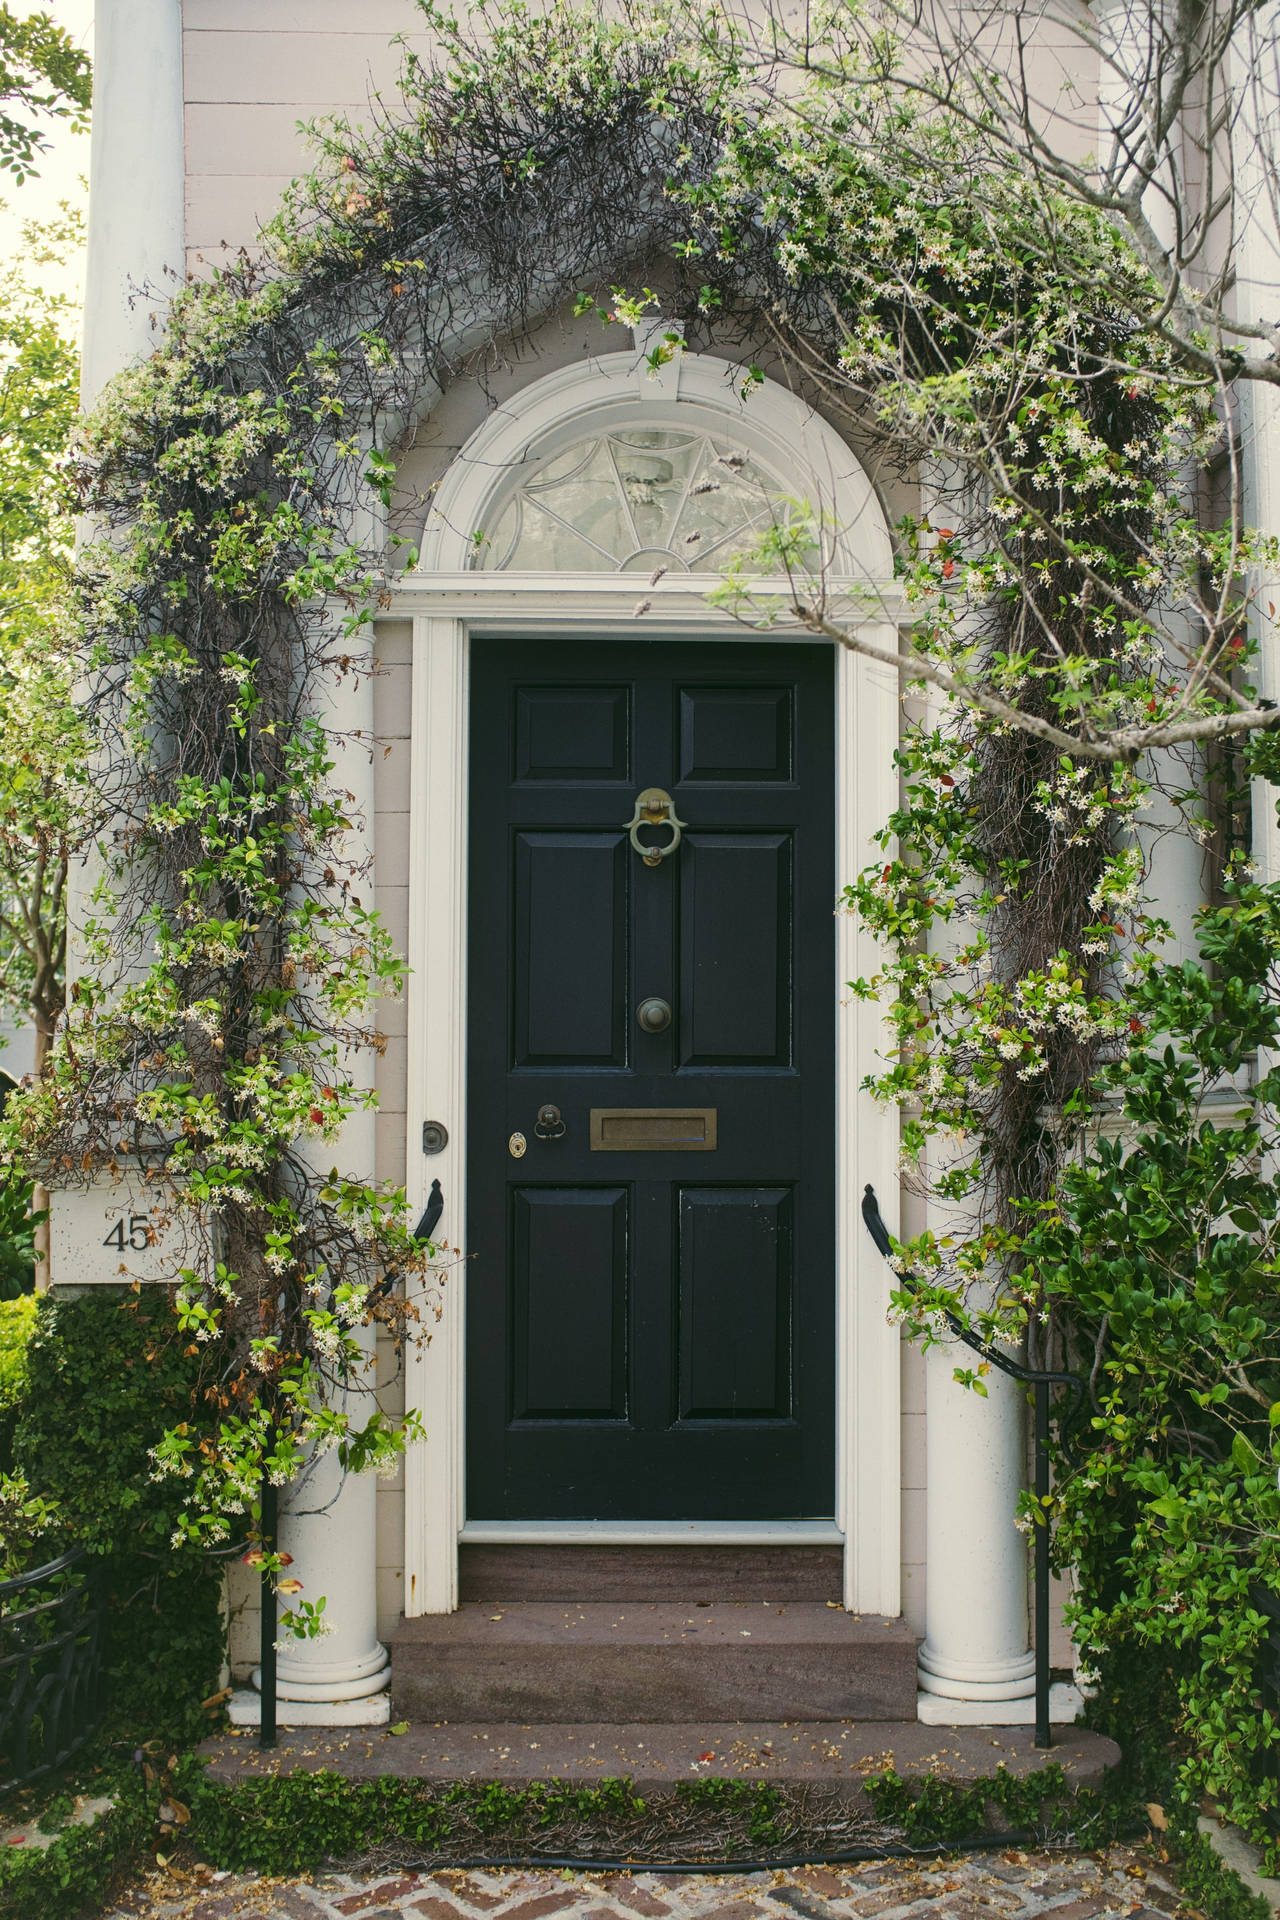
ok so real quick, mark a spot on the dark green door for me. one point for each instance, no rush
(651, 1290)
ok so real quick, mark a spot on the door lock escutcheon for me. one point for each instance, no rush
(654, 808)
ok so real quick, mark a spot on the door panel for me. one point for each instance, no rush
(569, 1302)
(651, 1330)
(570, 994)
(572, 733)
(744, 733)
(735, 1303)
(735, 950)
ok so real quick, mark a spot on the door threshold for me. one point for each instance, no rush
(651, 1533)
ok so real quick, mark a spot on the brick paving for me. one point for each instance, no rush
(1010, 1885)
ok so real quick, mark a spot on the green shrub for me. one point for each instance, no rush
(107, 1374)
(935, 1810)
(761, 1802)
(17, 1323)
(30, 1527)
(1160, 1246)
(1213, 1887)
(17, 1227)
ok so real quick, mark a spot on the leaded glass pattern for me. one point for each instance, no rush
(629, 502)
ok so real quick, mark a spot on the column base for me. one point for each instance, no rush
(244, 1709)
(935, 1710)
(353, 1680)
(954, 1679)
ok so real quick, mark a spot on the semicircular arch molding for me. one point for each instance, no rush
(783, 437)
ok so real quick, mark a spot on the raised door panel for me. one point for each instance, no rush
(572, 734)
(569, 960)
(735, 950)
(736, 733)
(569, 1303)
(736, 1305)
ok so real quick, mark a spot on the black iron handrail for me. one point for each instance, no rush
(1041, 1378)
(50, 1666)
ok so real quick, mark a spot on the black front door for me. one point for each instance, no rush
(651, 1290)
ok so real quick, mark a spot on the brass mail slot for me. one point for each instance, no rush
(653, 1129)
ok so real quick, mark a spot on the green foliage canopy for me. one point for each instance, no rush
(43, 75)
(45, 805)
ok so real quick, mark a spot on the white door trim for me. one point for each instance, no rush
(447, 605)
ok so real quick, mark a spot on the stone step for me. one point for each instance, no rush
(653, 1757)
(680, 1574)
(593, 1662)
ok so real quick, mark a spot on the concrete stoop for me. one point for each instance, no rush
(656, 1664)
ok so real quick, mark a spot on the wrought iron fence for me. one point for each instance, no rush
(51, 1631)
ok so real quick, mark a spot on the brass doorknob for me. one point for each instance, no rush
(653, 1015)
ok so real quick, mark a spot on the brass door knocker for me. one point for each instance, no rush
(654, 808)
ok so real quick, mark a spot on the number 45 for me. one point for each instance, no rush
(140, 1235)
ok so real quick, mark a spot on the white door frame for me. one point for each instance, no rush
(448, 603)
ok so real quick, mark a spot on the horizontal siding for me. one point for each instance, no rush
(349, 18)
(305, 70)
(229, 211)
(224, 142)
(252, 70)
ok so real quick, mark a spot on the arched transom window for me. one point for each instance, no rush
(629, 501)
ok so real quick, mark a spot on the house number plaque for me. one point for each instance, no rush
(116, 1232)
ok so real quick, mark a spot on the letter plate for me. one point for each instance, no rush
(653, 1129)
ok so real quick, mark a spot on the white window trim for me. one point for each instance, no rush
(448, 603)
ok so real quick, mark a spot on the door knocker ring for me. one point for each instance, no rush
(654, 808)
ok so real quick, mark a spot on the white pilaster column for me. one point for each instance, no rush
(1257, 295)
(328, 1524)
(976, 1647)
(136, 258)
(328, 1519)
(136, 253)
(1256, 79)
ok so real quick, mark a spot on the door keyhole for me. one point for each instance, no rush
(653, 1015)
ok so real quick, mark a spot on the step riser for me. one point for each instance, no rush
(667, 1685)
(684, 1575)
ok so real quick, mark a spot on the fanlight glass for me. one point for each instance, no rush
(630, 502)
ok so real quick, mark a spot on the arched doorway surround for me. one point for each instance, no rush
(453, 594)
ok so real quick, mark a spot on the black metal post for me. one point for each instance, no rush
(1044, 1737)
(269, 1503)
(1041, 1378)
